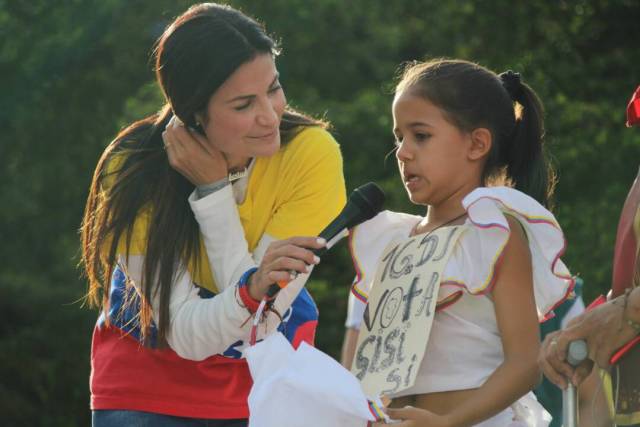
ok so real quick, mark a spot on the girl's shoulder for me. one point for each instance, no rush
(384, 227)
(474, 265)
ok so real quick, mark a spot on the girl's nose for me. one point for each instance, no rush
(403, 153)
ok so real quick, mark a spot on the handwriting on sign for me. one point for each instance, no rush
(400, 310)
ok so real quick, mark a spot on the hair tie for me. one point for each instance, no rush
(511, 82)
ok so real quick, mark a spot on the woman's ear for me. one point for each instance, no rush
(199, 118)
(481, 140)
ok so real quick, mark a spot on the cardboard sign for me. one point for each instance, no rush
(400, 309)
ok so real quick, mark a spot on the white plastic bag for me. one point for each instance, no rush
(303, 388)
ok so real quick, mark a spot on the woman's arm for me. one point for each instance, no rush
(201, 327)
(315, 195)
(198, 327)
(223, 236)
(191, 155)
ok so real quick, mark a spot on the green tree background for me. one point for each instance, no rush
(73, 72)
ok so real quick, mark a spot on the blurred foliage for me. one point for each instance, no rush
(74, 72)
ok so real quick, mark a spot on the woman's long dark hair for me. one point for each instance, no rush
(194, 56)
(471, 96)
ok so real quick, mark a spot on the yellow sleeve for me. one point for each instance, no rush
(314, 190)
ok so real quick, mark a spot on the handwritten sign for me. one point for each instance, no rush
(401, 305)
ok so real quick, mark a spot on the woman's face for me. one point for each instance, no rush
(243, 115)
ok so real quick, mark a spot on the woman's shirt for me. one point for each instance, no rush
(298, 191)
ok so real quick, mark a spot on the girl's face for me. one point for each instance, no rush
(431, 152)
(243, 115)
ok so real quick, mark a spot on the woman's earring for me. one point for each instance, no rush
(198, 128)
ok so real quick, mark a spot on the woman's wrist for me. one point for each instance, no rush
(204, 190)
(250, 303)
(252, 287)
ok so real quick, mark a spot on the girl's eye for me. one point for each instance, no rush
(422, 136)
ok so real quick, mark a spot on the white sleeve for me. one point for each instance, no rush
(368, 241)
(481, 247)
(199, 327)
(577, 308)
(355, 311)
(226, 246)
(223, 235)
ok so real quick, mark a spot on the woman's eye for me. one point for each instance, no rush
(397, 141)
(275, 88)
(242, 106)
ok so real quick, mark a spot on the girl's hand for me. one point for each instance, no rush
(191, 154)
(416, 417)
(282, 260)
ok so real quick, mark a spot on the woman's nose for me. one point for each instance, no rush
(268, 115)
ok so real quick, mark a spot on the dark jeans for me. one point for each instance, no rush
(119, 418)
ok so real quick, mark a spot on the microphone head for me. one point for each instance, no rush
(369, 199)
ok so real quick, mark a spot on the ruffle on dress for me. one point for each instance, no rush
(475, 261)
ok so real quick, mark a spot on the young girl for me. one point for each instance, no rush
(460, 131)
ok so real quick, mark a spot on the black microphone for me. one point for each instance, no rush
(364, 203)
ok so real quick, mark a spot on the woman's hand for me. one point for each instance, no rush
(603, 330)
(416, 417)
(191, 154)
(282, 261)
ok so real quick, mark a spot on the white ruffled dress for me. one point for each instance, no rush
(464, 345)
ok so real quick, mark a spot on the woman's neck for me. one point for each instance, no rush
(238, 163)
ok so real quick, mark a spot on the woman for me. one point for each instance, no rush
(184, 226)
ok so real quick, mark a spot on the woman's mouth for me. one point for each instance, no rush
(266, 136)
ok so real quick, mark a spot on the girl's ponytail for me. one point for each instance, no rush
(524, 155)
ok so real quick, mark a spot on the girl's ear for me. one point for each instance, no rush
(481, 140)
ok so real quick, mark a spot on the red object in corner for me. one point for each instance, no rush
(623, 350)
(633, 109)
(596, 302)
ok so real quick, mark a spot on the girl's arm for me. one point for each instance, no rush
(518, 324)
